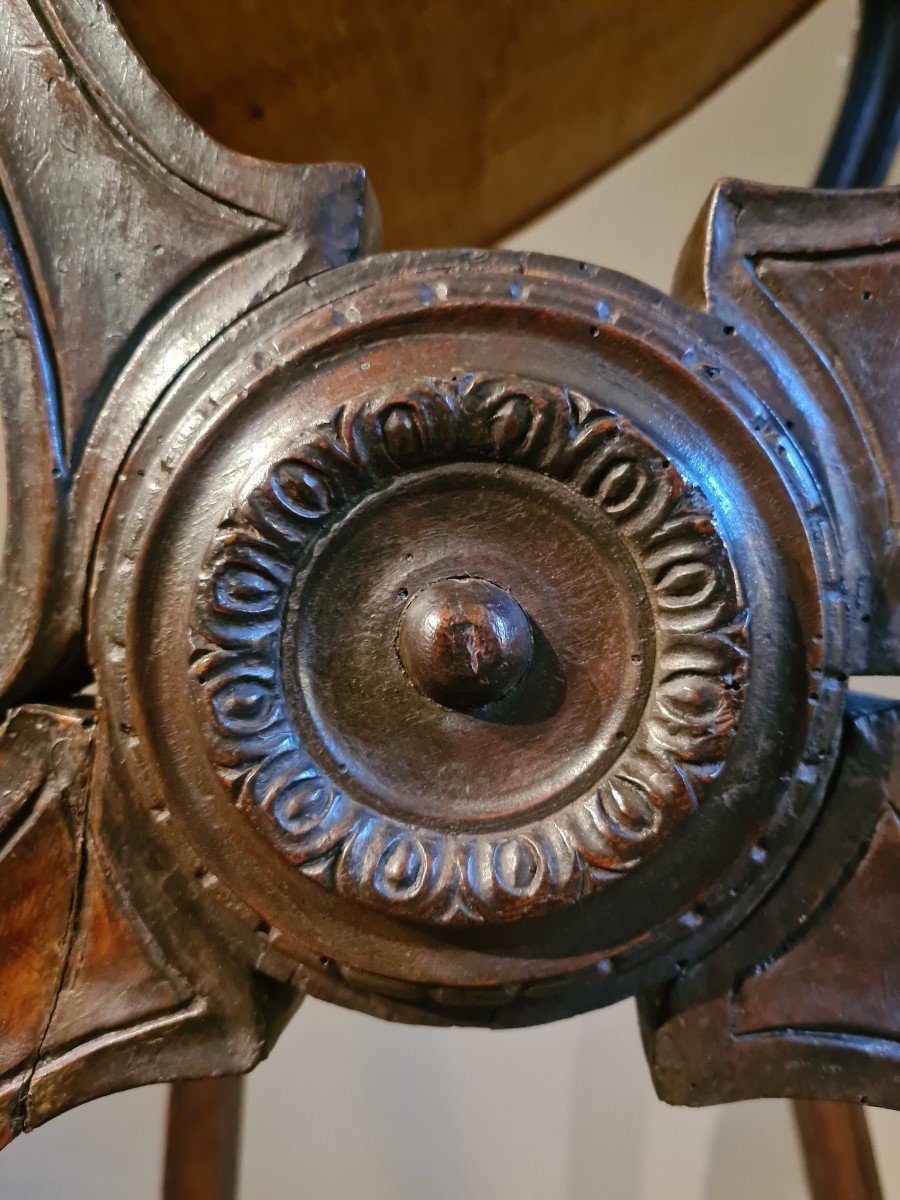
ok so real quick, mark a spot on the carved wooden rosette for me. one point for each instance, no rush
(470, 630)
(574, 440)
(531, 800)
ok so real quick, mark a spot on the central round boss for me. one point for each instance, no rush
(531, 747)
(465, 642)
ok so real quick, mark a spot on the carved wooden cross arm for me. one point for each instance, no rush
(463, 637)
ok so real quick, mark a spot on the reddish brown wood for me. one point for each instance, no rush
(81, 975)
(471, 117)
(42, 814)
(203, 1133)
(837, 1151)
(470, 631)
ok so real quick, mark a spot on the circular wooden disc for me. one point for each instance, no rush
(585, 446)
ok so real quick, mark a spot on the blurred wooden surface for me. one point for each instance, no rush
(472, 116)
(203, 1134)
(837, 1151)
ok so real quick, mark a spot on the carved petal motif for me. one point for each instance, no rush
(464, 875)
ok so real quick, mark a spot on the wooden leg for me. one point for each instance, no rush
(203, 1139)
(837, 1151)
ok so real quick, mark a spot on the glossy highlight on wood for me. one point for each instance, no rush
(458, 636)
(464, 642)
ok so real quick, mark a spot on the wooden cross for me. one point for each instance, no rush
(462, 637)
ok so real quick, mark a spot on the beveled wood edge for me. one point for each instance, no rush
(696, 1052)
(744, 226)
(113, 1011)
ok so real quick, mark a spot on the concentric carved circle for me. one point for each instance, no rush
(481, 743)
(358, 441)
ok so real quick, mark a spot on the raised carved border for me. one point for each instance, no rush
(462, 877)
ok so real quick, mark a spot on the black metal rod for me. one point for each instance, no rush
(865, 137)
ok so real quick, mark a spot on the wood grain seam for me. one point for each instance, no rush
(80, 837)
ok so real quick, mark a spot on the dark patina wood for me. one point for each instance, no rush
(768, 1021)
(469, 631)
(801, 1001)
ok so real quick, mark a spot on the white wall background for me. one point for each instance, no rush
(351, 1107)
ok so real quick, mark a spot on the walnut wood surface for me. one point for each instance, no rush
(146, 223)
(97, 996)
(41, 845)
(471, 118)
(290, 500)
